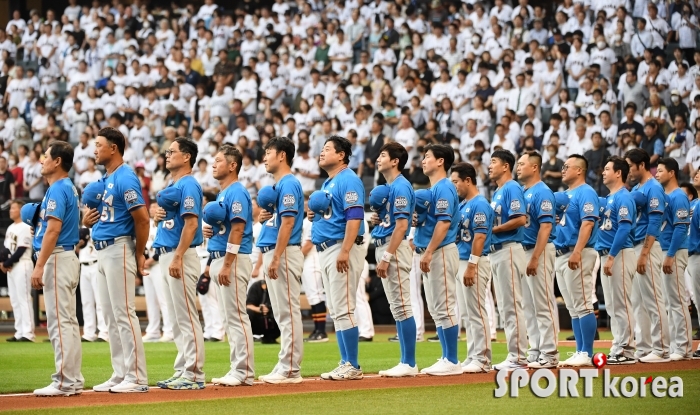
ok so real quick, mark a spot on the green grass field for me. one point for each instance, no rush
(27, 366)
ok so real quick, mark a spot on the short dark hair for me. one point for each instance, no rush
(670, 164)
(536, 156)
(619, 164)
(187, 146)
(639, 156)
(580, 157)
(688, 187)
(231, 152)
(465, 171)
(444, 152)
(396, 151)
(115, 137)
(282, 144)
(341, 144)
(506, 157)
(64, 151)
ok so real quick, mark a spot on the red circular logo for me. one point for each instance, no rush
(600, 360)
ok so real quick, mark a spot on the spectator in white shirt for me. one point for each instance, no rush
(305, 167)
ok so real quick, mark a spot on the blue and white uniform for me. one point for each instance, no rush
(692, 273)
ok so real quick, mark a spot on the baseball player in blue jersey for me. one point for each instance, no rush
(674, 244)
(436, 240)
(539, 302)
(120, 232)
(57, 269)
(616, 250)
(394, 255)
(230, 246)
(694, 249)
(179, 234)
(473, 243)
(508, 257)
(576, 256)
(338, 236)
(280, 244)
(651, 333)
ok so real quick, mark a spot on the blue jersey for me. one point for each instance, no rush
(444, 206)
(583, 206)
(347, 191)
(476, 216)
(170, 231)
(539, 205)
(694, 231)
(290, 202)
(656, 198)
(508, 202)
(239, 207)
(677, 212)
(619, 208)
(60, 202)
(399, 205)
(122, 195)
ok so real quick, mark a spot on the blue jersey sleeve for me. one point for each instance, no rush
(588, 205)
(354, 195)
(680, 209)
(480, 218)
(56, 202)
(191, 203)
(239, 206)
(626, 210)
(445, 208)
(657, 200)
(287, 200)
(130, 189)
(516, 200)
(403, 202)
(544, 208)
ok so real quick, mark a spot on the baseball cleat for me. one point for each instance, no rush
(620, 360)
(675, 357)
(105, 386)
(277, 379)
(347, 372)
(129, 387)
(51, 390)
(166, 339)
(184, 384)
(227, 380)
(696, 355)
(394, 339)
(434, 339)
(579, 360)
(508, 366)
(654, 358)
(541, 364)
(475, 367)
(565, 363)
(150, 339)
(327, 375)
(317, 337)
(365, 339)
(399, 371)
(443, 367)
(164, 383)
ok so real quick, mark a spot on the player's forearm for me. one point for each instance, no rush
(584, 235)
(12, 190)
(478, 244)
(397, 236)
(623, 232)
(285, 231)
(142, 226)
(234, 238)
(187, 236)
(680, 231)
(352, 228)
(439, 234)
(512, 224)
(542, 239)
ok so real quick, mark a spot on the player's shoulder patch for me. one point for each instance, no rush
(50, 205)
(682, 214)
(236, 207)
(289, 200)
(623, 211)
(654, 202)
(130, 196)
(442, 205)
(546, 205)
(401, 202)
(480, 218)
(351, 197)
(515, 205)
(588, 207)
(189, 203)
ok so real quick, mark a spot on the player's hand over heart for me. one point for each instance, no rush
(37, 278)
(207, 231)
(175, 269)
(90, 217)
(575, 260)
(375, 218)
(607, 268)
(310, 215)
(425, 261)
(264, 215)
(159, 214)
(342, 263)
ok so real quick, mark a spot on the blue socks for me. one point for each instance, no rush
(451, 336)
(576, 325)
(588, 325)
(351, 340)
(399, 334)
(408, 338)
(341, 346)
(441, 336)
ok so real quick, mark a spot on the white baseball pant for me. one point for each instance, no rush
(341, 288)
(94, 324)
(363, 312)
(417, 305)
(618, 301)
(648, 303)
(20, 291)
(213, 322)
(473, 302)
(679, 323)
(154, 288)
(540, 306)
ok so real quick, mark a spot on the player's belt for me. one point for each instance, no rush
(325, 245)
(266, 249)
(88, 263)
(217, 254)
(166, 249)
(498, 247)
(563, 251)
(603, 252)
(383, 241)
(65, 248)
(693, 253)
(528, 247)
(100, 245)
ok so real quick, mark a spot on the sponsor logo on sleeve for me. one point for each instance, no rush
(189, 203)
(654, 203)
(236, 208)
(515, 205)
(130, 196)
(546, 206)
(480, 218)
(442, 205)
(588, 207)
(51, 205)
(351, 197)
(682, 214)
(288, 200)
(401, 202)
(623, 212)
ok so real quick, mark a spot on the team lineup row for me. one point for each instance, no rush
(525, 236)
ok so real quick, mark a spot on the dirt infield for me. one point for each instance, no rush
(27, 401)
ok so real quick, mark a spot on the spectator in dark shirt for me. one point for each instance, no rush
(551, 170)
(164, 84)
(7, 187)
(172, 117)
(597, 157)
(191, 77)
(259, 308)
(224, 70)
(677, 107)
(629, 125)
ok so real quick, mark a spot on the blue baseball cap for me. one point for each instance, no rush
(639, 199)
(561, 200)
(214, 213)
(319, 202)
(267, 198)
(30, 213)
(169, 199)
(92, 195)
(378, 197)
(423, 197)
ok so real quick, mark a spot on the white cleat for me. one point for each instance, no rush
(227, 380)
(675, 357)
(580, 360)
(443, 367)
(327, 375)
(566, 363)
(150, 339)
(475, 367)
(654, 358)
(399, 371)
(277, 379)
(53, 391)
(508, 366)
(542, 364)
(347, 372)
(105, 387)
(166, 339)
(129, 387)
